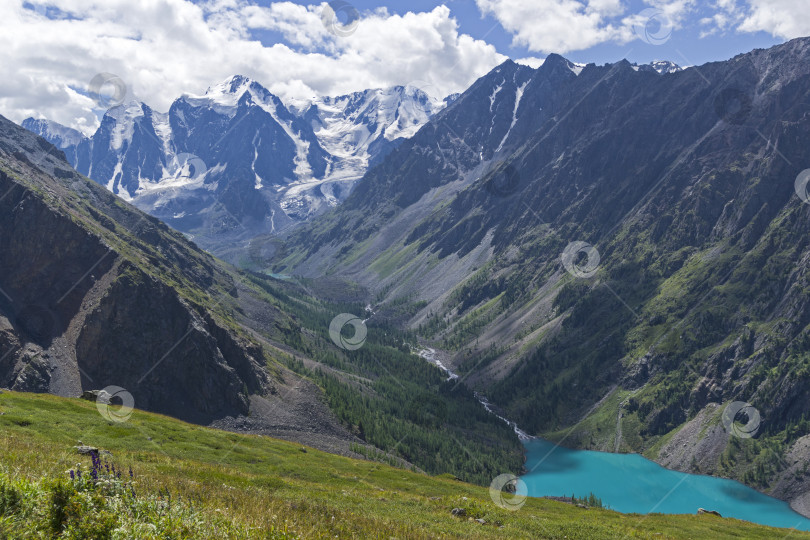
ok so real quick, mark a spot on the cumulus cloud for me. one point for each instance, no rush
(570, 25)
(51, 49)
(555, 25)
(531, 61)
(785, 19)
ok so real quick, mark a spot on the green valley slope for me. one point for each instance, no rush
(678, 190)
(94, 293)
(195, 482)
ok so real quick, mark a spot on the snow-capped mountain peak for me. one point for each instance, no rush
(392, 113)
(59, 135)
(662, 67)
(272, 163)
(225, 97)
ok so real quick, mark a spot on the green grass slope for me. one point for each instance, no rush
(195, 482)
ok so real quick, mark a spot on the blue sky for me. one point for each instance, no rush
(51, 50)
(686, 46)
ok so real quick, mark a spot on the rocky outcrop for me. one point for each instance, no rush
(166, 354)
(93, 295)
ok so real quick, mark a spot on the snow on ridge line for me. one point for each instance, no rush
(352, 129)
(576, 67)
(303, 170)
(54, 131)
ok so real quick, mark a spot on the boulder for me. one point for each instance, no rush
(96, 395)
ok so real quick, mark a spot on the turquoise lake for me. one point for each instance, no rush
(630, 483)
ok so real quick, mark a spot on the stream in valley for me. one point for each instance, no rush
(631, 483)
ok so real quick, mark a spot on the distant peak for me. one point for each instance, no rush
(229, 93)
(555, 58)
(554, 63)
(235, 84)
(36, 123)
(238, 81)
(55, 132)
(416, 90)
(665, 66)
(661, 67)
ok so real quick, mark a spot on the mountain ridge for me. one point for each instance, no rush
(675, 184)
(192, 166)
(96, 294)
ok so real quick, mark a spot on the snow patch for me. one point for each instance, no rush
(494, 95)
(125, 117)
(518, 97)
(576, 68)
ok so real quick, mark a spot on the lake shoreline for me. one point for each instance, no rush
(564, 471)
(434, 357)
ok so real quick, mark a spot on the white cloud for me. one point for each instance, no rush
(727, 15)
(570, 25)
(531, 61)
(300, 25)
(164, 48)
(562, 26)
(555, 25)
(781, 18)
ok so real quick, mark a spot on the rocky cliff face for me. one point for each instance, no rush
(95, 293)
(620, 238)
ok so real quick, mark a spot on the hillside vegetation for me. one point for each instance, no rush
(194, 482)
(96, 293)
(636, 236)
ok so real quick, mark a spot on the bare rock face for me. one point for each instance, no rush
(686, 184)
(35, 375)
(164, 353)
(93, 293)
(793, 481)
(698, 444)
